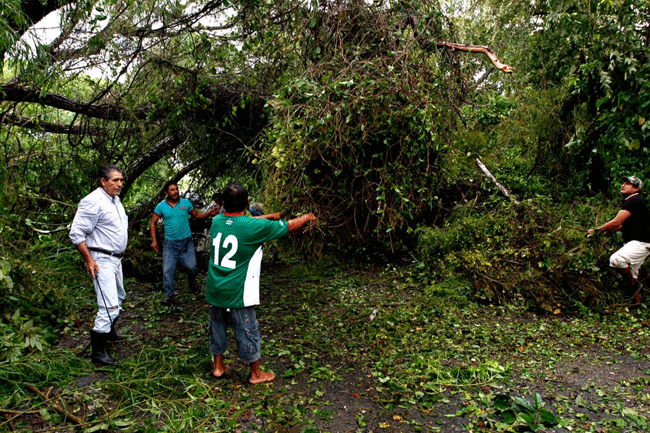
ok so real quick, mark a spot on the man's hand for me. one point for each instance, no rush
(299, 222)
(154, 245)
(590, 232)
(91, 264)
(92, 268)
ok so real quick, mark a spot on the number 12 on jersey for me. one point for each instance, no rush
(230, 244)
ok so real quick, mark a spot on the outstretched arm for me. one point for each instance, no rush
(614, 224)
(299, 222)
(270, 216)
(211, 212)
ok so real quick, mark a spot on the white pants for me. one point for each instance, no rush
(109, 287)
(632, 255)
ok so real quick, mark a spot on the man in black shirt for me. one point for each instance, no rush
(634, 221)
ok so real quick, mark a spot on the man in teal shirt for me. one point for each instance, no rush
(233, 282)
(178, 246)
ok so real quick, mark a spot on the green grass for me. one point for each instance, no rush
(429, 360)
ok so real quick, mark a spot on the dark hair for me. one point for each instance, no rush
(168, 184)
(235, 198)
(105, 172)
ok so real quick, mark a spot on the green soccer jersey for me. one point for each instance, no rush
(236, 259)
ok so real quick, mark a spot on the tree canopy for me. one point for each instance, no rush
(358, 101)
(364, 111)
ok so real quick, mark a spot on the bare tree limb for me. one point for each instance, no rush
(478, 49)
(484, 169)
(412, 21)
(60, 409)
(54, 128)
(148, 159)
(15, 93)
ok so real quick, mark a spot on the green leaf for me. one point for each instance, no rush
(601, 101)
(519, 401)
(508, 417)
(527, 418)
(98, 427)
(502, 402)
(580, 401)
(548, 417)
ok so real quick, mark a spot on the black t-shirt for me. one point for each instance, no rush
(637, 226)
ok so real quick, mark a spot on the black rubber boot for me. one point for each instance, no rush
(635, 298)
(113, 336)
(98, 343)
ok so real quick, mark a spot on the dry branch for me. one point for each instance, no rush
(55, 128)
(63, 411)
(484, 169)
(15, 93)
(478, 49)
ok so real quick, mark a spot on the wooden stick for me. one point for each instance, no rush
(56, 407)
(484, 169)
(479, 49)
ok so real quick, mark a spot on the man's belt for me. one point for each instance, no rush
(108, 253)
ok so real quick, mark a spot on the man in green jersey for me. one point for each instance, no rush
(232, 285)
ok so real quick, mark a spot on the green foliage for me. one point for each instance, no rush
(19, 335)
(32, 306)
(538, 252)
(519, 412)
(13, 18)
(5, 280)
(597, 52)
(356, 137)
(38, 271)
(426, 359)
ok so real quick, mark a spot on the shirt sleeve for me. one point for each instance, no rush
(84, 220)
(273, 229)
(158, 210)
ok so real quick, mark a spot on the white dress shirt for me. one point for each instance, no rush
(101, 222)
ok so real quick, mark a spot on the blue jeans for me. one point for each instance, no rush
(247, 332)
(254, 211)
(175, 252)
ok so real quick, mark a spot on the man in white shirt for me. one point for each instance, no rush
(99, 231)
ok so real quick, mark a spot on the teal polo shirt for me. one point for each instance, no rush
(176, 219)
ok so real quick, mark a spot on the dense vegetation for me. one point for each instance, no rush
(350, 109)
(355, 349)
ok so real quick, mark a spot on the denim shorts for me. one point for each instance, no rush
(247, 332)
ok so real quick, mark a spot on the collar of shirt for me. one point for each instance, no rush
(108, 196)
